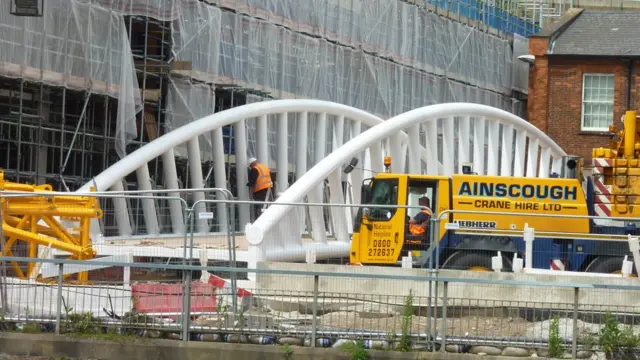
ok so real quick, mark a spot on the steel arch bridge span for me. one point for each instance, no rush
(496, 141)
(340, 118)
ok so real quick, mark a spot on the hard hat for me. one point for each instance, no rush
(252, 160)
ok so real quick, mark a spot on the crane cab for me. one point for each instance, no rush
(383, 235)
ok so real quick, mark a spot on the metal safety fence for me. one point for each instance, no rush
(150, 285)
(325, 307)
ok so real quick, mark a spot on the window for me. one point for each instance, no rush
(384, 192)
(597, 102)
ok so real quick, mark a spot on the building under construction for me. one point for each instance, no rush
(90, 81)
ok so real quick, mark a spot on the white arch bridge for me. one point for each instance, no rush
(435, 139)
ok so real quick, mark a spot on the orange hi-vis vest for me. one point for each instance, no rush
(418, 229)
(264, 178)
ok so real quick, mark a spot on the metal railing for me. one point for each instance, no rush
(282, 298)
(431, 307)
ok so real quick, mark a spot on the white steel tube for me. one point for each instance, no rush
(171, 182)
(463, 141)
(375, 153)
(356, 174)
(220, 177)
(506, 155)
(448, 145)
(414, 149)
(148, 205)
(157, 147)
(337, 213)
(431, 134)
(240, 139)
(478, 145)
(396, 153)
(493, 141)
(262, 140)
(519, 153)
(195, 172)
(372, 136)
(301, 158)
(319, 232)
(282, 160)
(121, 212)
(532, 158)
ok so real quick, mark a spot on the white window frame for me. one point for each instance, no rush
(583, 102)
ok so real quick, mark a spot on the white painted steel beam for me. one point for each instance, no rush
(532, 158)
(282, 160)
(414, 150)
(448, 145)
(220, 178)
(148, 205)
(478, 145)
(431, 134)
(506, 161)
(493, 143)
(121, 211)
(171, 182)
(545, 162)
(464, 141)
(260, 233)
(519, 153)
(197, 182)
(318, 229)
(302, 133)
(242, 172)
(262, 140)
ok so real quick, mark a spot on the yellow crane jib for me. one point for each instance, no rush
(34, 219)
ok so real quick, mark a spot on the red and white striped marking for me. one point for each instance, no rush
(602, 192)
(223, 284)
(557, 264)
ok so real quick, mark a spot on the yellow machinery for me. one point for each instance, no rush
(32, 220)
(468, 241)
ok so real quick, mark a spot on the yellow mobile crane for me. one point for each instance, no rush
(21, 214)
(382, 235)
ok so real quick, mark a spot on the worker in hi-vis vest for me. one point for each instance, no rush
(418, 223)
(260, 184)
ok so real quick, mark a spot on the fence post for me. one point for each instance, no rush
(574, 338)
(59, 298)
(186, 291)
(232, 252)
(314, 310)
(443, 330)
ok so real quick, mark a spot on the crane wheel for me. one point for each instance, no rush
(473, 261)
(608, 265)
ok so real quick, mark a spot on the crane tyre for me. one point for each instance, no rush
(473, 261)
(608, 265)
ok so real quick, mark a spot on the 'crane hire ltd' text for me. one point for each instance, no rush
(539, 193)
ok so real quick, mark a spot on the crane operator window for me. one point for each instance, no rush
(384, 192)
(414, 195)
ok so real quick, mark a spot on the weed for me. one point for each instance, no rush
(614, 342)
(555, 342)
(404, 344)
(356, 351)
(287, 350)
(31, 328)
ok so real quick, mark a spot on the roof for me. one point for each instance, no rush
(599, 33)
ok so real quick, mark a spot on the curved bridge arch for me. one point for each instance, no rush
(503, 144)
(111, 178)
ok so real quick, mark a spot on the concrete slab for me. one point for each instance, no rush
(459, 294)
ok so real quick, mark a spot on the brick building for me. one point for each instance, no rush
(584, 77)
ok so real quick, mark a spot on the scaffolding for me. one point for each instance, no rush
(93, 80)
